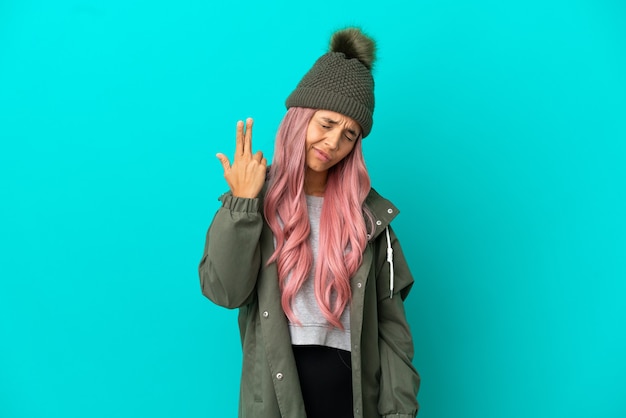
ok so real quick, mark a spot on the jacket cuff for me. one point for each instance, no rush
(239, 204)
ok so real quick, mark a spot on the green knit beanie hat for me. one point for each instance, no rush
(341, 80)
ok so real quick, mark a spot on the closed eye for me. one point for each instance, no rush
(352, 135)
(349, 133)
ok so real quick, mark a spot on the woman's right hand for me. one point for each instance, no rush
(246, 175)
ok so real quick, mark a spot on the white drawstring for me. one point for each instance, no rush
(390, 261)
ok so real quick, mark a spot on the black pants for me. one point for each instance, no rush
(326, 381)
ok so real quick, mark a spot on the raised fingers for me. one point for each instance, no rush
(247, 141)
(239, 139)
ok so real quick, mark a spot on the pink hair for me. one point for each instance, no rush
(343, 234)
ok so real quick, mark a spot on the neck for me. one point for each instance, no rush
(315, 182)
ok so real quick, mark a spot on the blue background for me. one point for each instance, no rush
(500, 132)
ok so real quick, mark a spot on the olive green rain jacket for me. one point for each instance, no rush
(234, 274)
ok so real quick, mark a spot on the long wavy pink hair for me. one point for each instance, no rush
(343, 231)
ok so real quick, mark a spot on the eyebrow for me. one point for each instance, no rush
(334, 122)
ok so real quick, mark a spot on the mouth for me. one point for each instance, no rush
(321, 155)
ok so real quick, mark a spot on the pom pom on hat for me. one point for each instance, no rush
(341, 80)
(354, 44)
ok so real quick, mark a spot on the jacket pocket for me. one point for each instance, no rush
(259, 359)
(251, 384)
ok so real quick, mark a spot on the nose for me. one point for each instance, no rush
(332, 140)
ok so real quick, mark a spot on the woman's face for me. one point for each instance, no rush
(330, 137)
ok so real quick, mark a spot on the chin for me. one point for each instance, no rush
(317, 168)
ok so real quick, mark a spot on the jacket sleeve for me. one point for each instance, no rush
(232, 257)
(399, 381)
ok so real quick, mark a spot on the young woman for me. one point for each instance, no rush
(305, 251)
